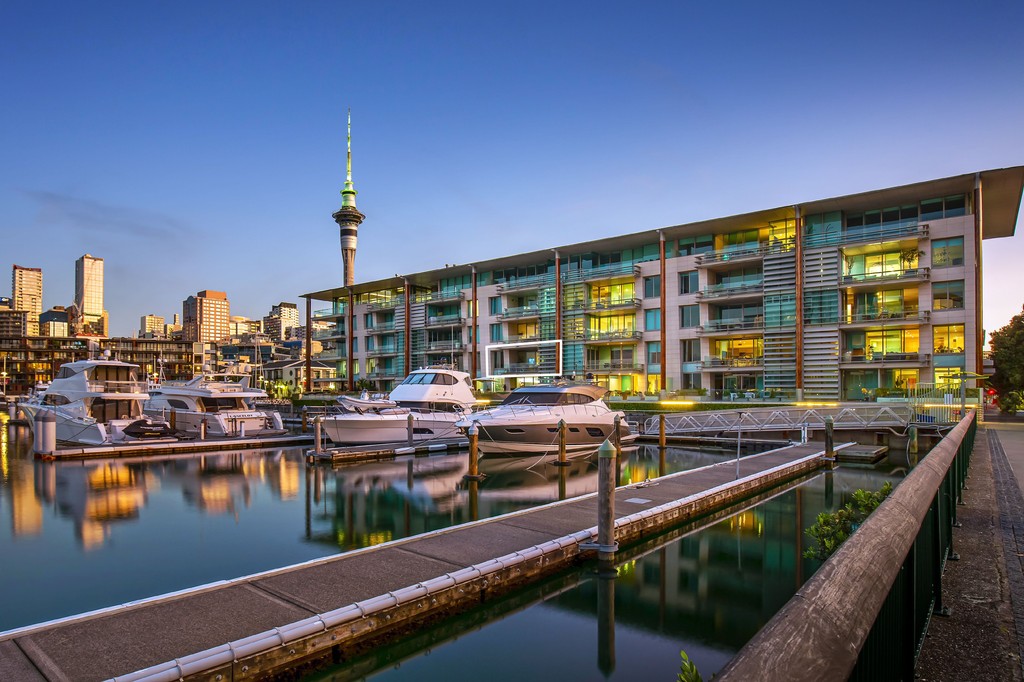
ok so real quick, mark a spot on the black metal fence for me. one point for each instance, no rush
(865, 613)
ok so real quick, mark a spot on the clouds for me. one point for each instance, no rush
(93, 218)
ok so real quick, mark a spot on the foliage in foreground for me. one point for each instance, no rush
(1007, 344)
(688, 670)
(831, 529)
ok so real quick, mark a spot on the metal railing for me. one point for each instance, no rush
(443, 320)
(870, 604)
(897, 315)
(531, 282)
(328, 312)
(715, 326)
(873, 233)
(601, 367)
(601, 272)
(754, 249)
(604, 304)
(785, 418)
(886, 358)
(890, 276)
(117, 386)
(715, 363)
(521, 311)
(723, 290)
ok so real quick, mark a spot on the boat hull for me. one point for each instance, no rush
(521, 437)
(372, 429)
(83, 431)
(225, 424)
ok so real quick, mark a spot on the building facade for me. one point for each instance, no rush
(27, 294)
(206, 316)
(848, 298)
(282, 319)
(90, 317)
(55, 322)
(151, 326)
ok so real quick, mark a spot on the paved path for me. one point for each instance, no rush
(136, 636)
(983, 639)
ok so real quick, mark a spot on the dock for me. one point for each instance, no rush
(267, 624)
(364, 453)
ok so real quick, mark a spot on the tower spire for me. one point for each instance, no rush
(348, 216)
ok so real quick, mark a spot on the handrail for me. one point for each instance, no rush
(821, 633)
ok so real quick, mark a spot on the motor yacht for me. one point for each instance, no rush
(527, 420)
(225, 401)
(96, 402)
(435, 397)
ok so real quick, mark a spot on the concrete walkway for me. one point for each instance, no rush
(983, 638)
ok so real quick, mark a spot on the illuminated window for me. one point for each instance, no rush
(949, 338)
(947, 252)
(947, 295)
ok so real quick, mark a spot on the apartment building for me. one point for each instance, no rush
(27, 294)
(852, 297)
(206, 316)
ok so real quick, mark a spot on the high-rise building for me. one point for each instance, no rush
(241, 325)
(27, 294)
(91, 318)
(151, 326)
(282, 318)
(55, 322)
(206, 316)
(866, 296)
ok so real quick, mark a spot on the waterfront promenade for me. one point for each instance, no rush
(243, 628)
(983, 638)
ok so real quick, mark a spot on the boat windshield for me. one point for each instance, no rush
(430, 378)
(547, 398)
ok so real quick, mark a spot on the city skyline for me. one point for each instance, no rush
(195, 157)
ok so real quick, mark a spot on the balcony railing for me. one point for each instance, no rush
(859, 355)
(439, 296)
(613, 367)
(328, 312)
(716, 326)
(610, 271)
(385, 328)
(382, 351)
(521, 311)
(870, 233)
(531, 282)
(526, 368)
(604, 304)
(444, 321)
(615, 335)
(883, 316)
(387, 305)
(522, 338)
(329, 333)
(723, 290)
(892, 275)
(434, 346)
(724, 363)
(383, 374)
(744, 251)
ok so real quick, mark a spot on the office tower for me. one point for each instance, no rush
(206, 316)
(151, 326)
(55, 322)
(91, 318)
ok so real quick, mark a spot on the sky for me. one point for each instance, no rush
(201, 145)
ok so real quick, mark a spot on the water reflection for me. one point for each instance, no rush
(706, 591)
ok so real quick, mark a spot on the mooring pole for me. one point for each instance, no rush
(830, 449)
(409, 421)
(317, 436)
(661, 430)
(305, 420)
(739, 437)
(913, 439)
(606, 545)
(561, 444)
(474, 466)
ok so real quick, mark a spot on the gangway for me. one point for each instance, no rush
(793, 418)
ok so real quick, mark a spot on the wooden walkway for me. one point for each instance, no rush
(259, 625)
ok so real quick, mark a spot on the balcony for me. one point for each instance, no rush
(602, 272)
(440, 297)
(328, 334)
(730, 326)
(745, 289)
(389, 304)
(612, 336)
(386, 328)
(732, 363)
(521, 312)
(527, 283)
(525, 368)
(859, 356)
(384, 374)
(443, 321)
(522, 338)
(444, 346)
(613, 368)
(870, 233)
(325, 313)
(600, 305)
(332, 355)
(744, 252)
(382, 351)
(869, 279)
(884, 317)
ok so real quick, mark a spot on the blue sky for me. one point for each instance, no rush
(198, 145)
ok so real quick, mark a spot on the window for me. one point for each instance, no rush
(355, 345)
(945, 207)
(654, 353)
(652, 286)
(780, 310)
(947, 375)
(689, 246)
(652, 319)
(947, 252)
(689, 316)
(948, 338)
(494, 305)
(368, 320)
(688, 282)
(821, 306)
(947, 295)
(496, 332)
(689, 350)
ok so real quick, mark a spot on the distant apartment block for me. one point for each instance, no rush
(282, 319)
(853, 297)
(206, 316)
(151, 326)
(27, 294)
(240, 326)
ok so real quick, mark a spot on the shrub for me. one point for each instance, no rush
(831, 529)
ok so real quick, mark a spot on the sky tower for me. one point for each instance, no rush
(348, 217)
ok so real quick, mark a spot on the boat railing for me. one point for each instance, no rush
(117, 386)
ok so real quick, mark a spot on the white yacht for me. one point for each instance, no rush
(225, 401)
(436, 397)
(527, 420)
(96, 402)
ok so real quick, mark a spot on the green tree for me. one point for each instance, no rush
(831, 529)
(1007, 346)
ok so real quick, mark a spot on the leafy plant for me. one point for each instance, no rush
(688, 670)
(831, 529)
(1011, 402)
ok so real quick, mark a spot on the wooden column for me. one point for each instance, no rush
(558, 306)
(979, 327)
(309, 345)
(798, 238)
(350, 341)
(408, 327)
(474, 331)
